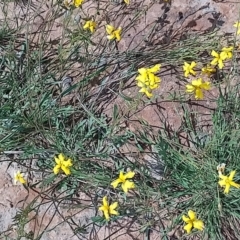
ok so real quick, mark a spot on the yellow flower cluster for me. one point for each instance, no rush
(113, 33)
(126, 185)
(226, 182)
(218, 59)
(62, 163)
(196, 86)
(147, 80)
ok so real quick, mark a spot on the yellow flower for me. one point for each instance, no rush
(147, 81)
(19, 178)
(127, 2)
(126, 184)
(192, 222)
(62, 164)
(188, 68)
(227, 182)
(197, 86)
(218, 58)
(208, 70)
(228, 52)
(113, 33)
(108, 209)
(78, 3)
(91, 25)
(237, 25)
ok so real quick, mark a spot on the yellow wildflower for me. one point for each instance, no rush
(218, 58)
(19, 178)
(108, 209)
(127, 2)
(91, 25)
(208, 70)
(192, 222)
(188, 68)
(147, 81)
(227, 182)
(228, 52)
(113, 33)
(78, 3)
(126, 184)
(197, 86)
(62, 164)
(237, 25)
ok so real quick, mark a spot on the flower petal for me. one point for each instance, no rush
(151, 77)
(192, 215)
(109, 29)
(77, 3)
(186, 219)
(236, 185)
(220, 64)
(127, 185)
(214, 54)
(206, 85)
(106, 214)
(198, 224)
(57, 160)
(188, 227)
(112, 208)
(141, 78)
(66, 170)
(223, 55)
(187, 72)
(193, 64)
(227, 188)
(86, 25)
(190, 88)
(129, 174)
(197, 82)
(149, 94)
(110, 37)
(116, 182)
(222, 183)
(231, 176)
(155, 68)
(56, 169)
(105, 202)
(22, 180)
(199, 93)
(192, 72)
(214, 61)
(223, 177)
(237, 24)
(142, 71)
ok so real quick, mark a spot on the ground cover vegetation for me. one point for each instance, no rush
(54, 95)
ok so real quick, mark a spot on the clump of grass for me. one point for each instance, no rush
(40, 118)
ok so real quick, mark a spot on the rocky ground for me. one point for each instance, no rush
(183, 15)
